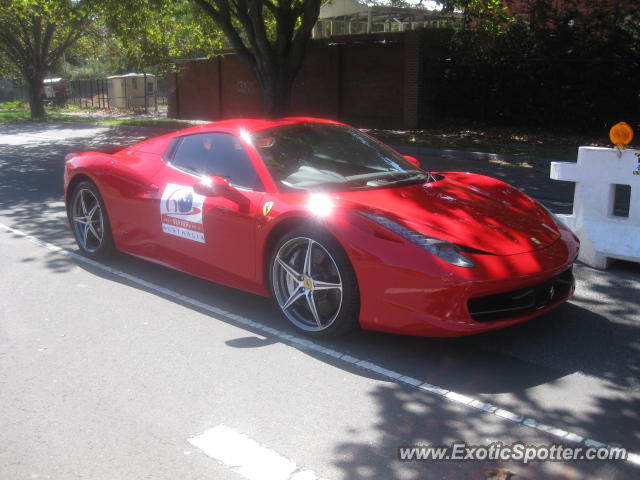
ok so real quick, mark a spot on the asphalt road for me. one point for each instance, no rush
(107, 370)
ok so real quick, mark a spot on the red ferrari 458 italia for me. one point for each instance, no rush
(338, 228)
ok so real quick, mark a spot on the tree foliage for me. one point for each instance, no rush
(34, 34)
(96, 54)
(492, 16)
(576, 66)
(8, 69)
(153, 32)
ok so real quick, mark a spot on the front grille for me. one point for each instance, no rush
(516, 303)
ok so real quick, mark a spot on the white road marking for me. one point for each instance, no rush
(300, 342)
(247, 457)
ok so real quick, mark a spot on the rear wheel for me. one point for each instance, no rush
(313, 283)
(89, 222)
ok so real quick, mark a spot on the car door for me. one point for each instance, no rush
(130, 195)
(213, 236)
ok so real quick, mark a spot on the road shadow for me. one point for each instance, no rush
(405, 417)
(491, 367)
(32, 167)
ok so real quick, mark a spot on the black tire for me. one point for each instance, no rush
(329, 267)
(89, 222)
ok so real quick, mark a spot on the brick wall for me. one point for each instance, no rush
(372, 85)
(368, 80)
(193, 90)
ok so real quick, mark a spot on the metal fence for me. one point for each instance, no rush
(88, 93)
(9, 91)
(94, 93)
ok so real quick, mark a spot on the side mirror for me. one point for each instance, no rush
(212, 187)
(413, 160)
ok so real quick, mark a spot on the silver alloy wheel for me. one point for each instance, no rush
(87, 220)
(307, 284)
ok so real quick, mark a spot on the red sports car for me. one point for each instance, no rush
(337, 227)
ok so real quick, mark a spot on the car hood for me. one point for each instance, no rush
(471, 210)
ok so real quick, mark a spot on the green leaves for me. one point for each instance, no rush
(34, 34)
(576, 65)
(154, 32)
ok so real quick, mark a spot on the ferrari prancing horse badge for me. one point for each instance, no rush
(267, 208)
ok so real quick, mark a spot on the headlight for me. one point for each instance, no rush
(447, 251)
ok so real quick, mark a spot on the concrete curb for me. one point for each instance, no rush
(516, 160)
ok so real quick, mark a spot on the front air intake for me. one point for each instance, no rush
(517, 303)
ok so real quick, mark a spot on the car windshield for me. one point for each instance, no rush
(317, 156)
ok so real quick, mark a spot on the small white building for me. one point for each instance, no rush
(50, 86)
(131, 89)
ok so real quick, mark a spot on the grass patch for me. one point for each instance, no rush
(17, 115)
(60, 115)
(14, 105)
(70, 107)
(149, 122)
(13, 116)
(14, 112)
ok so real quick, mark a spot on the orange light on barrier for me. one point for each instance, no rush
(621, 134)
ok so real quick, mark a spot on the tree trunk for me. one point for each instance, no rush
(34, 85)
(276, 95)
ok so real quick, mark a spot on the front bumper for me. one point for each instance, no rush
(403, 291)
(521, 302)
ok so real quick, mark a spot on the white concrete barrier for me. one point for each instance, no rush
(603, 235)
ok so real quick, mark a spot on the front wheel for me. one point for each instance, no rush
(89, 222)
(313, 283)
